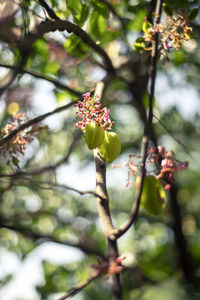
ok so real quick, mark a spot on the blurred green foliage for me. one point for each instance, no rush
(36, 209)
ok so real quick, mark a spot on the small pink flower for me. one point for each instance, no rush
(16, 146)
(90, 110)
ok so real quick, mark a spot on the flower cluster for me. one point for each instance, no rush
(160, 164)
(167, 165)
(109, 267)
(90, 110)
(175, 32)
(172, 33)
(15, 147)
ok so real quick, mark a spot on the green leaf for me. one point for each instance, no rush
(15, 161)
(76, 8)
(62, 96)
(75, 46)
(168, 9)
(136, 23)
(97, 24)
(140, 39)
(145, 26)
(71, 43)
(178, 57)
(40, 47)
(101, 8)
(178, 3)
(84, 14)
(52, 67)
(138, 46)
(193, 14)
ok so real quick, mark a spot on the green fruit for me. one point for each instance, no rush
(94, 135)
(153, 195)
(111, 146)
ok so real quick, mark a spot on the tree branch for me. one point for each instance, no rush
(34, 121)
(25, 46)
(46, 237)
(49, 10)
(35, 74)
(104, 211)
(64, 187)
(185, 260)
(147, 128)
(185, 148)
(51, 167)
(80, 286)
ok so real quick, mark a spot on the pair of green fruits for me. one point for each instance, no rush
(108, 143)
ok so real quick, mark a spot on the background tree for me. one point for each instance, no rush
(75, 47)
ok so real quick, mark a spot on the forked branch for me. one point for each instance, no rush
(147, 128)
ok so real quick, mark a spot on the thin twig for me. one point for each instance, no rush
(35, 74)
(185, 148)
(80, 286)
(64, 187)
(49, 10)
(25, 46)
(51, 167)
(104, 211)
(113, 11)
(47, 237)
(145, 141)
(34, 121)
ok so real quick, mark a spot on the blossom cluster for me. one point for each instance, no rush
(160, 163)
(109, 267)
(172, 33)
(15, 147)
(175, 32)
(167, 165)
(90, 110)
(11, 150)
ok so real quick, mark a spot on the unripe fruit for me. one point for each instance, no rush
(94, 135)
(111, 146)
(153, 195)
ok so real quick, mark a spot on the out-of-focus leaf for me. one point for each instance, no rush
(136, 23)
(71, 43)
(52, 68)
(97, 24)
(193, 14)
(138, 46)
(145, 26)
(75, 46)
(101, 8)
(178, 57)
(40, 47)
(178, 3)
(79, 11)
(168, 9)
